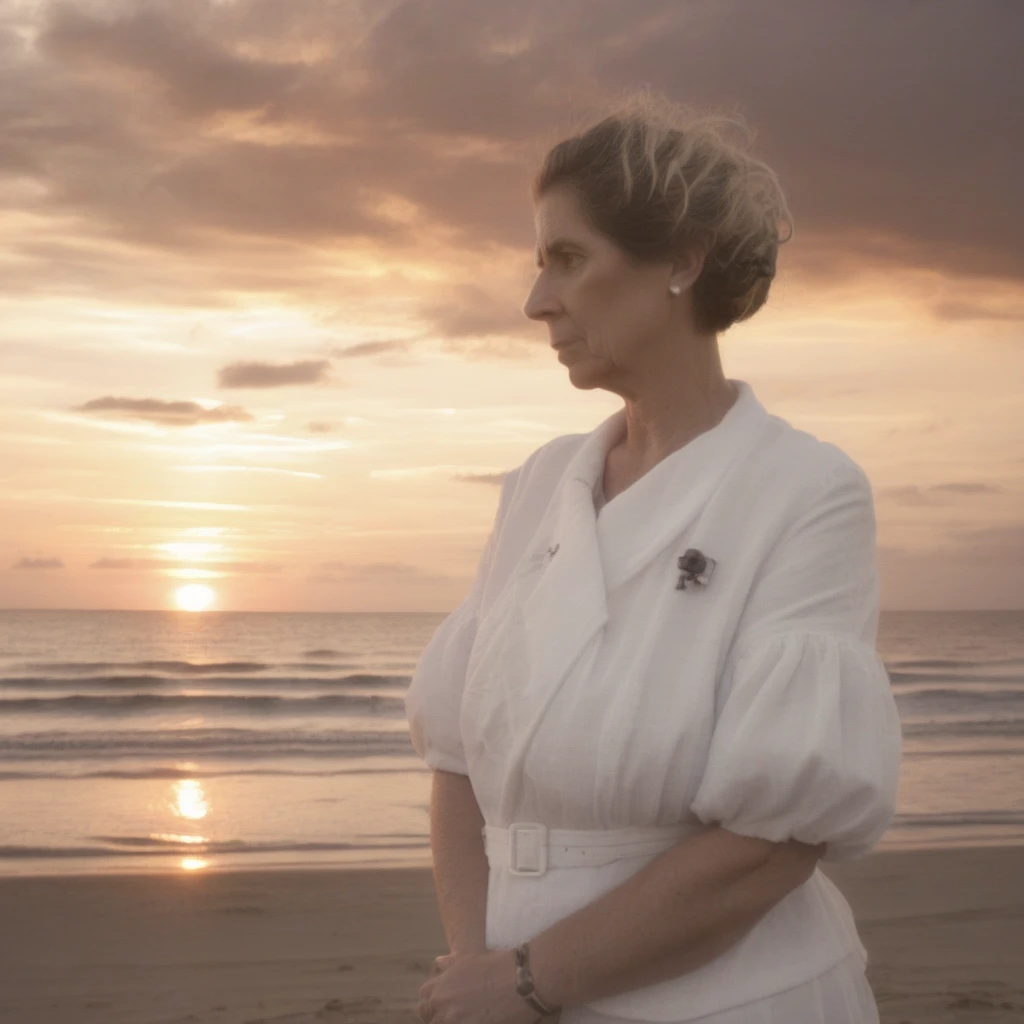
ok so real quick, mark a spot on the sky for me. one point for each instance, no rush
(263, 267)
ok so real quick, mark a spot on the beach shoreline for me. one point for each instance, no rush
(943, 929)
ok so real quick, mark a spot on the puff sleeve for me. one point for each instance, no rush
(807, 739)
(434, 697)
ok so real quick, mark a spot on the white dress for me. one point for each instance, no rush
(578, 686)
(841, 995)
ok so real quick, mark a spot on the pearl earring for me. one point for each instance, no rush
(674, 289)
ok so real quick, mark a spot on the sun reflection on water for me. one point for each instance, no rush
(190, 800)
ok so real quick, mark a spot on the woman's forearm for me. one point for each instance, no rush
(460, 863)
(683, 909)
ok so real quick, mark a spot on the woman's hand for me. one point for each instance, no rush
(467, 988)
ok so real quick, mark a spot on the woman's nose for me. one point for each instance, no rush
(540, 303)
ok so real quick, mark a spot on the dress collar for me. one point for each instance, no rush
(587, 465)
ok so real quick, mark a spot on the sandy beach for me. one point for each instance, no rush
(944, 930)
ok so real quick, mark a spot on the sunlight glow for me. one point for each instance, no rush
(173, 837)
(194, 597)
(190, 549)
(189, 799)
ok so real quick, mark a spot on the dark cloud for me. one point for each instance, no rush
(316, 427)
(150, 564)
(38, 563)
(889, 124)
(937, 494)
(481, 478)
(168, 414)
(382, 569)
(196, 72)
(992, 542)
(470, 312)
(232, 135)
(951, 576)
(398, 573)
(369, 348)
(967, 488)
(959, 309)
(269, 375)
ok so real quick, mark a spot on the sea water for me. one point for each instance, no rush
(163, 741)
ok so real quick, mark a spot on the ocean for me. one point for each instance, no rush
(166, 741)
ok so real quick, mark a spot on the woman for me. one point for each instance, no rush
(660, 704)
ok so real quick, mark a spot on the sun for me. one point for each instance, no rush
(194, 597)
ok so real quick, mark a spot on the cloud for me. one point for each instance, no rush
(38, 563)
(440, 472)
(992, 542)
(936, 494)
(152, 564)
(967, 488)
(482, 478)
(172, 414)
(370, 348)
(962, 310)
(149, 44)
(469, 311)
(189, 149)
(268, 375)
(389, 569)
(398, 573)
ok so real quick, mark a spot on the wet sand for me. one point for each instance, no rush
(944, 932)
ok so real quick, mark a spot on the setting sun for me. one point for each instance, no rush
(195, 597)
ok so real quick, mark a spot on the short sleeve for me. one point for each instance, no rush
(807, 739)
(434, 697)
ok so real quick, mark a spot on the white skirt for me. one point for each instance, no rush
(841, 995)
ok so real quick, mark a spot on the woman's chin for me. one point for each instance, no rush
(582, 372)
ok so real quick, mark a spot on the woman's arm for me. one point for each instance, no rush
(680, 911)
(460, 863)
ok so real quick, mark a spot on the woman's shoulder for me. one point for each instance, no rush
(544, 465)
(804, 462)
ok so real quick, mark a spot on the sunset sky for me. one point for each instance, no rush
(264, 265)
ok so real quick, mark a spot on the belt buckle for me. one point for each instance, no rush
(531, 839)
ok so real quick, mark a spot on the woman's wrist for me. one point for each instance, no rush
(462, 948)
(525, 986)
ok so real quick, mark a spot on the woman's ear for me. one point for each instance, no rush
(687, 266)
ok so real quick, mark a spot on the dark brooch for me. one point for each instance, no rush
(695, 567)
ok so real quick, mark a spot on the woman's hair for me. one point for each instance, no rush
(655, 177)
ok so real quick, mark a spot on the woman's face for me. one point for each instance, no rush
(606, 318)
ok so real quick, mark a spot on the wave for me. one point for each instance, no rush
(968, 698)
(966, 729)
(953, 819)
(176, 666)
(175, 774)
(205, 742)
(352, 680)
(201, 704)
(964, 663)
(181, 667)
(967, 681)
(145, 846)
(935, 753)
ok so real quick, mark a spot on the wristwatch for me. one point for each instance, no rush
(524, 982)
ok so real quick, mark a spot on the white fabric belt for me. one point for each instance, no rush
(530, 848)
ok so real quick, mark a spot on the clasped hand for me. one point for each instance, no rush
(475, 988)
